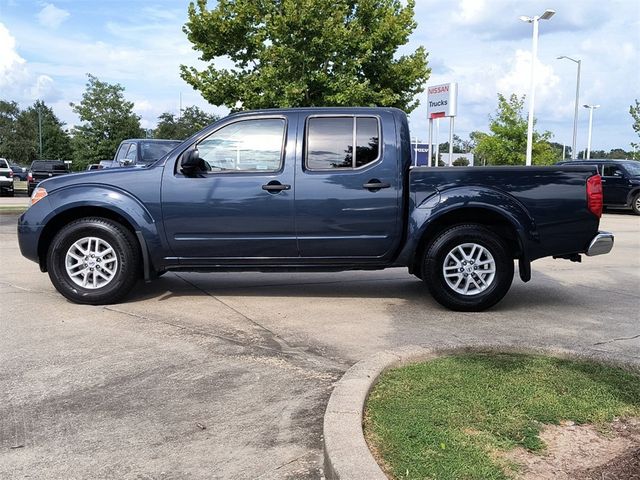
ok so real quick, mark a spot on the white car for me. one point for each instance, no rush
(6, 178)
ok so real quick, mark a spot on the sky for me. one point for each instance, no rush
(47, 48)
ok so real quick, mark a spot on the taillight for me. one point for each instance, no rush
(10, 174)
(29, 177)
(594, 195)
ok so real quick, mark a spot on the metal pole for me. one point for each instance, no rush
(451, 140)
(40, 129)
(430, 141)
(564, 147)
(532, 92)
(437, 159)
(574, 154)
(416, 152)
(590, 126)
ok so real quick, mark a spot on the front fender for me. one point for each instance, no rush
(63, 201)
(440, 204)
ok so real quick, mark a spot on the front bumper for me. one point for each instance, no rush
(601, 244)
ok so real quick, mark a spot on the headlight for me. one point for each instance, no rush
(38, 194)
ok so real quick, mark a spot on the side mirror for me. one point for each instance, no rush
(191, 162)
(125, 162)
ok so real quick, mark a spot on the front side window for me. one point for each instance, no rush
(245, 146)
(122, 152)
(611, 171)
(330, 142)
(131, 154)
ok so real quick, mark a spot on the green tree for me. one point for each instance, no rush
(12, 145)
(507, 142)
(193, 119)
(56, 144)
(634, 111)
(461, 162)
(107, 120)
(294, 53)
(20, 136)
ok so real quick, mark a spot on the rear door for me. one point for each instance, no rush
(348, 199)
(241, 210)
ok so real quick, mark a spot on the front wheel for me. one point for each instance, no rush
(94, 261)
(468, 268)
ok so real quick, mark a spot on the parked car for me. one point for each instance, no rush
(620, 182)
(105, 164)
(19, 173)
(42, 170)
(142, 151)
(6, 178)
(315, 189)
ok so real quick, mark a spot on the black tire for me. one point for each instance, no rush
(123, 243)
(635, 204)
(434, 262)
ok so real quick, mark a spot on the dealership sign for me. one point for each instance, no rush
(442, 100)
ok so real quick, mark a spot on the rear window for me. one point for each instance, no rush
(152, 151)
(48, 165)
(3, 163)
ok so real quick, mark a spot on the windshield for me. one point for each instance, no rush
(632, 168)
(152, 151)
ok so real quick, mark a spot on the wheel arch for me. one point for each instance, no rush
(499, 222)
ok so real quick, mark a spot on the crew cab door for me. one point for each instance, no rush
(241, 208)
(348, 199)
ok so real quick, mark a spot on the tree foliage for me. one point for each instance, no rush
(107, 120)
(294, 53)
(20, 134)
(507, 142)
(634, 111)
(192, 120)
(11, 143)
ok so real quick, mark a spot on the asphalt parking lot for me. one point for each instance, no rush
(227, 375)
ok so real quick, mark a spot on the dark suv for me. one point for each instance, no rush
(620, 182)
(43, 169)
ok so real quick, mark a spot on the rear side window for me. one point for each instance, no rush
(330, 142)
(3, 163)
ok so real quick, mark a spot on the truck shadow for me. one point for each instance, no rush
(543, 292)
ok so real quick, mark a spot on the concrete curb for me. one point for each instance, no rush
(346, 454)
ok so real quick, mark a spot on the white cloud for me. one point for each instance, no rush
(51, 16)
(12, 66)
(518, 78)
(17, 82)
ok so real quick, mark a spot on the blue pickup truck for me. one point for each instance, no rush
(317, 189)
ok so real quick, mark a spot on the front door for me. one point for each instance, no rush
(615, 185)
(241, 209)
(348, 199)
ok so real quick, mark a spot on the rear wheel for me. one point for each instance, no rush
(635, 204)
(468, 268)
(94, 261)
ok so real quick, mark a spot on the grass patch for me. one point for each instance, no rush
(446, 418)
(12, 209)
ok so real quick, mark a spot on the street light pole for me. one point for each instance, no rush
(40, 128)
(574, 153)
(591, 109)
(532, 93)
